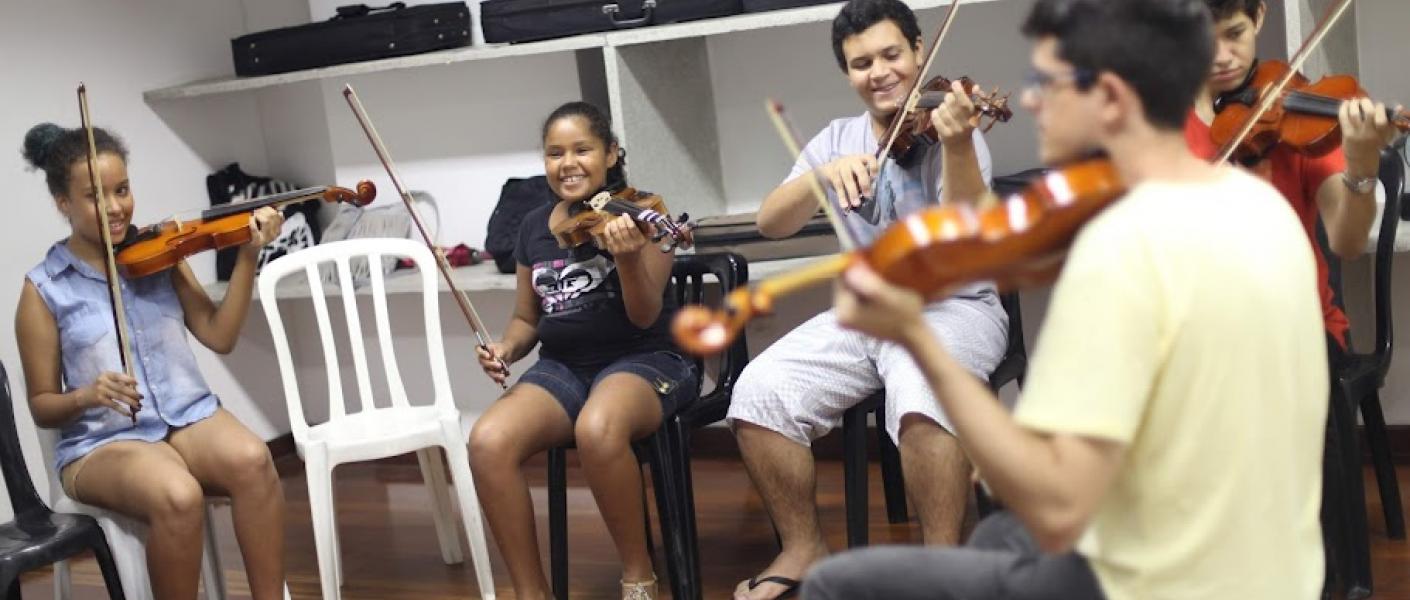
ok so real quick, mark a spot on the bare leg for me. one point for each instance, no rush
(150, 482)
(937, 476)
(228, 459)
(525, 421)
(784, 474)
(621, 408)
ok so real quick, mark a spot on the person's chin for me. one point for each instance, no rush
(1223, 85)
(1055, 156)
(882, 107)
(575, 194)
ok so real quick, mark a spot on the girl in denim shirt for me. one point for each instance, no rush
(607, 371)
(158, 466)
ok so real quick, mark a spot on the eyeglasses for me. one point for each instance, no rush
(1038, 81)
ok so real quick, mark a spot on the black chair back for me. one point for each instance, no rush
(23, 497)
(1392, 176)
(689, 280)
(1014, 365)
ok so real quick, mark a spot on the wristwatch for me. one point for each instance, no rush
(1363, 185)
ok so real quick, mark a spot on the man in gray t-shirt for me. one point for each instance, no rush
(798, 389)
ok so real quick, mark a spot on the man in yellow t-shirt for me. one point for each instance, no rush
(1168, 442)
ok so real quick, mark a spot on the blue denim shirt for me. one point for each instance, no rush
(174, 394)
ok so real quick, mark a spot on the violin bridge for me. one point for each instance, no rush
(599, 202)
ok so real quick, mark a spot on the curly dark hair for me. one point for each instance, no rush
(54, 150)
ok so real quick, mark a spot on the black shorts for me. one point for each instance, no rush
(672, 376)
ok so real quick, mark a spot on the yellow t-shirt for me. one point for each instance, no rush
(1186, 325)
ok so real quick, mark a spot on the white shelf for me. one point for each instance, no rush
(657, 33)
(822, 13)
(478, 278)
(230, 84)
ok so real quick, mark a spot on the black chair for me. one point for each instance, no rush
(1356, 383)
(1013, 367)
(667, 452)
(39, 536)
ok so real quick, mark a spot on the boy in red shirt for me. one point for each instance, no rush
(1339, 186)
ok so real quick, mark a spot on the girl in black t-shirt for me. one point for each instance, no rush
(607, 372)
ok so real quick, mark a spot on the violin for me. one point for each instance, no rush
(165, 245)
(916, 132)
(1017, 242)
(593, 215)
(1303, 116)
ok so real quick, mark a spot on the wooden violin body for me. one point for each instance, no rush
(1016, 242)
(163, 246)
(916, 130)
(591, 220)
(1303, 118)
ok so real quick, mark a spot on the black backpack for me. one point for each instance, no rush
(516, 198)
(301, 226)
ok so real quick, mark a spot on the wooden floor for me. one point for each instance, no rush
(390, 551)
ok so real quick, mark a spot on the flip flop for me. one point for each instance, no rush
(790, 585)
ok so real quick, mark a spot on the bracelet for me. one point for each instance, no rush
(1362, 185)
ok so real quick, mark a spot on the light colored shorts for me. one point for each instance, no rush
(802, 384)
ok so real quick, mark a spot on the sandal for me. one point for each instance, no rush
(640, 590)
(790, 585)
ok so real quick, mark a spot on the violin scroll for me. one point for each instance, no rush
(365, 194)
(701, 331)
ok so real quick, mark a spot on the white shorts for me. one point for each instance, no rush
(802, 384)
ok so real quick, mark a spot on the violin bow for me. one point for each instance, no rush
(846, 236)
(913, 96)
(1271, 96)
(472, 316)
(110, 271)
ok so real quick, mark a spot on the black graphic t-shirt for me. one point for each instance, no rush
(583, 320)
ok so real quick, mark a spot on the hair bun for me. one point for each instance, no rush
(39, 143)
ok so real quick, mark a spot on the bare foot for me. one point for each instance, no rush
(790, 564)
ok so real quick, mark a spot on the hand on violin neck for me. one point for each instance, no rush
(867, 303)
(624, 237)
(265, 224)
(851, 178)
(957, 117)
(1366, 129)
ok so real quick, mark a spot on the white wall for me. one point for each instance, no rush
(457, 131)
(119, 50)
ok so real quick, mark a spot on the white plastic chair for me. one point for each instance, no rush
(370, 431)
(127, 537)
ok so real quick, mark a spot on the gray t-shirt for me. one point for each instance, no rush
(897, 191)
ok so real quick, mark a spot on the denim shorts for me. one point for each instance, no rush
(672, 376)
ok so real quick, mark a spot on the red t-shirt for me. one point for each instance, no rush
(1297, 177)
